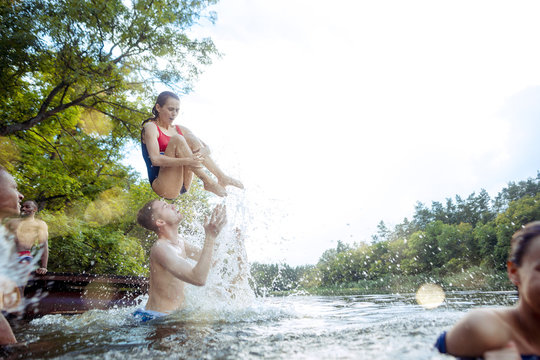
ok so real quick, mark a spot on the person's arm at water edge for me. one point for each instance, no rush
(481, 330)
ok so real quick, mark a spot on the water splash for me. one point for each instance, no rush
(13, 276)
(227, 296)
(227, 287)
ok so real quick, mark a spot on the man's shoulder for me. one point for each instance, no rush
(159, 248)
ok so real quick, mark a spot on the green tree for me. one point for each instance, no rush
(102, 236)
(514, 192)
(518, 213)
(79, 78)
(485, 236)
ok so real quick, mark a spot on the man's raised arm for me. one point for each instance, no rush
(181, 268)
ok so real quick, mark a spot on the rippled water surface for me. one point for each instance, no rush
(295, 327)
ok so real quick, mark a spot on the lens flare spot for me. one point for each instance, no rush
(110, 206)
(9, 154)
(95, 123)
(10, 296)
(430, 296)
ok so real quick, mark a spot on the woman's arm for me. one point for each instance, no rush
(150, 137)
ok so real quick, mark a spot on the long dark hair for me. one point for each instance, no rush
(521, 241)
(161, 100)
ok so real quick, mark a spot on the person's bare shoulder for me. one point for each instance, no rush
(479, 331)
(150, 129)
(42, 223)
(161, 252)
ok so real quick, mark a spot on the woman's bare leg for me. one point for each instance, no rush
(223, 179)
(188, 177)
(170, 179)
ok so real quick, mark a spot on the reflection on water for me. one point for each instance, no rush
(300, 327)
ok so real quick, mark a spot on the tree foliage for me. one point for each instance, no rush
(78, 77)
(443, 240)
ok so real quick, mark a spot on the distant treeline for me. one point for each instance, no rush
(462, 236)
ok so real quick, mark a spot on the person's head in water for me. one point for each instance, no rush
(29, 207)
(157, 213)
(524, 263)
(10, 197)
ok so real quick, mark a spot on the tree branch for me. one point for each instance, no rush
(55, 150)
(43, 115)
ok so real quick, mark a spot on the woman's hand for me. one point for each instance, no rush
(196, 161)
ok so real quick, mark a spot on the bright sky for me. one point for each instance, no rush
(337, 115)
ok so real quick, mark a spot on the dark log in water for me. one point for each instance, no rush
(65, 293)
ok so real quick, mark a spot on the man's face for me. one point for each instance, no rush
(10, 197)
(28, 208)
(169, 213)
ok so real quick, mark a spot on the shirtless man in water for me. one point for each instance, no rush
(169, 267)
(29, 233)
(10, 199)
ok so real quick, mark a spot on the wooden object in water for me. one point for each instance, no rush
(65, 293)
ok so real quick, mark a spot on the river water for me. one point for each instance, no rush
(293, 327)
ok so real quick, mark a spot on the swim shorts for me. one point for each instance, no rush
(25, 256)
(147, 315)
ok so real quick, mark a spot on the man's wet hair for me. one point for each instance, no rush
(145, 216)
(521, 240)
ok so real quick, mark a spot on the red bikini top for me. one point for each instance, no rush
(163, 139)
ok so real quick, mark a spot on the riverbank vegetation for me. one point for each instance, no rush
(461, 245)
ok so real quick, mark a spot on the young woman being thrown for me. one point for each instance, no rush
(173, 153)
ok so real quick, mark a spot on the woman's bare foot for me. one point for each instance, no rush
(227, 180)
(215, 188)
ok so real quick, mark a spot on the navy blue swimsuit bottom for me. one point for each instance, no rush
(153, 171)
